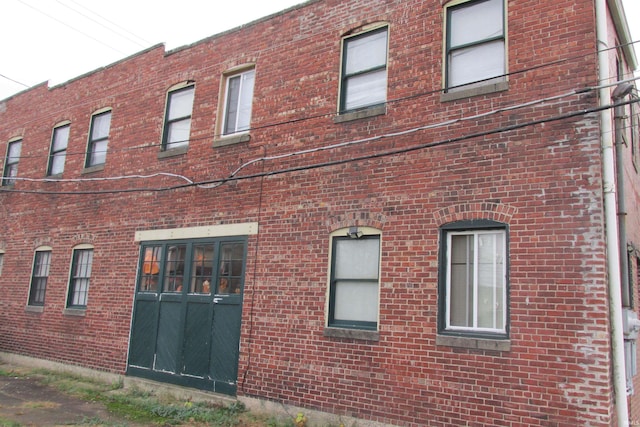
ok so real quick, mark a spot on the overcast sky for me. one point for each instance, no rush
(57, 40)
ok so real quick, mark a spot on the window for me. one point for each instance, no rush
(98, 139)
(354, 281)
(239, 97)
(11, 163)
(202, 266)
(39, 276)
(80, 276)
(1, 261)
(474, 278)
(475, 43)
(364, 70)
(58, 152)
(177, 122)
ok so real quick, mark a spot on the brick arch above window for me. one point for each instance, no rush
(491, 210)
(356, 219)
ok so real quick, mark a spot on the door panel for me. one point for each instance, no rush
(143, 333)
(169, 333)
(197, 339)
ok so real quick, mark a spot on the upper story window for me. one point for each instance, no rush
(11, 163)
(1, 261)
(475, 43)
(473, 271)
(238, 102)
(354, 278)
(39, 276)
(364, 70)
(98, 139)
(58, 151)
(177, 123)
(80, 277)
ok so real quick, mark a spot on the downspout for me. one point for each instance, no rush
(618, 118)
(611, 228)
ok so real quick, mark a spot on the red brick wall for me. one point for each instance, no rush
(543, 181)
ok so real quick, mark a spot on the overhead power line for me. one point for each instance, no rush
(14, 81)
(72, 28)
(394, 152)
(143, 45)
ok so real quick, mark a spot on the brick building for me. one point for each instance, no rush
(399, 211)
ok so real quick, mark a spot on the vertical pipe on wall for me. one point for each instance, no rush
(611, 225)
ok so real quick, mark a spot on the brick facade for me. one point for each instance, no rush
(404, 172)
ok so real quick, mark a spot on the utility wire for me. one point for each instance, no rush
(347, 160)
(72, 28)
(105, 26)
(12, 80)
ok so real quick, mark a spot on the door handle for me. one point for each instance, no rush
(217, 300)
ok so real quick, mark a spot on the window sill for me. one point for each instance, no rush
(172, 152)
(355, 334)
(474, 91)
(231, 139)
(474, 343)
(79, 312)
(34, 309)
(91, 169)
(364, 113)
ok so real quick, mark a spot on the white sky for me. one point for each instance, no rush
(57, 40)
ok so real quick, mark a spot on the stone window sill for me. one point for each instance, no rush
(91, 169)
(474, 343)
(172, 152)
(377, 110)
(79, 312)
(231, 139)
(34, 309)
(356, 334)
(474, 91)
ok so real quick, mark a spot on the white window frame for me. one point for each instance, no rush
(448, 50)
(244, 104)
(501, 299)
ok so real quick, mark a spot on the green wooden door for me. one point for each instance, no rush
(187, 311)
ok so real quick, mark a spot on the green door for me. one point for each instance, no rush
(187, 312)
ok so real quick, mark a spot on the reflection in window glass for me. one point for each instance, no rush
(151, 268)
(202, 271)
(174, 268)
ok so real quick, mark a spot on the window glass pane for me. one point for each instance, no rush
(83, 260)
(1, 262)
(461, 281)
(233, 94)
(357, 258)
(476, 63)
(101, 125)
(57, 163)
(99, 154)
(356, 301)
(178, 133)
(366, 89)
(475, 22)
(366, 52)
(230, 271)
(174, 271)
(60, 138)
(202, 269)
(13, 155)
(150, 269)
(180, 103)
(246, 98)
